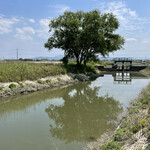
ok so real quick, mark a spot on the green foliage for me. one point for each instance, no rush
(73, 68)
(65, 60)
(145, 99)
(133, 110)
(12, 85)
(124, 124)
(135, 128)
(1, 87)
(129, 133)
(82, 35)
(111, 146)
(20, 71)
(143, 123)
(40, 81)
(148, 147)
(21, 84)
(48, 81)
(149, 111)
(118, 134)
(59, 79)
(148, 135)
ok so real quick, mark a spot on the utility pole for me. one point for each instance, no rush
(17, 53)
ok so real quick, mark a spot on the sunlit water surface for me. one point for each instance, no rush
(66, 118)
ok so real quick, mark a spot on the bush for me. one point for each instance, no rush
(1, 87)
(149, 111)
(142, 123)
(148, 135)
(118, 135)
(111, 146)
(12, 85)
(133, 110)
(59, 79)
(48, 81)
(21, 84)
(40, 81)
(135, 129)
(65, 60)
(73, 68)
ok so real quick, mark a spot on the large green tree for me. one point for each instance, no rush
(83, 35)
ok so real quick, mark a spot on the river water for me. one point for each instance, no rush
(67, 118)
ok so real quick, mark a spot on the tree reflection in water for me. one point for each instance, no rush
(84, 115)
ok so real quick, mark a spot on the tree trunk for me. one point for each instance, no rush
(77, 60)
(84, 62)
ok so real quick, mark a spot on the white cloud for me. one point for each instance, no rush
(131, 39)
(44, 23)
(6, 24)
(43, 32)
(146, 41)
(24, 33)
(60, 8)
(128, 19)
(28, 30)
(32, 20)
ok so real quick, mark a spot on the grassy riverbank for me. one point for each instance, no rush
(146, 71)
(133, 133)
(20, 71)
(24, 77)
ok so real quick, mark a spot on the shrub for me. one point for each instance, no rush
(1, 87)
(142, 123)
(59, 79)
(148, 135)
(133, 110)
(135, 128)
(12, 85)
(65, 60)
(129, 133)
(73, 68)
(149, 111)
(40, 81)
(21, 84)
(144, 99)
(111, 146)
(48, 81)
(124, 124)
(118, 135)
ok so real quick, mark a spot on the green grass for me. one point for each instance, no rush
(40, 81)
(132, 123)
(12, 71)
(72, 68)
(12, 85)
(48, 81)
(111, 146)
(20, 71)
(1, 87)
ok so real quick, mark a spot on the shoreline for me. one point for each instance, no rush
(28, 86)
(133, 131)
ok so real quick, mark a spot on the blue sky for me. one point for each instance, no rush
(24, 25)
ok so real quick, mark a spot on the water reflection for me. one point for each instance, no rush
(79, 113)
(84, 115)
(125, 77)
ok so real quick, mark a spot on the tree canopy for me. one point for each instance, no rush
(83, 35)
